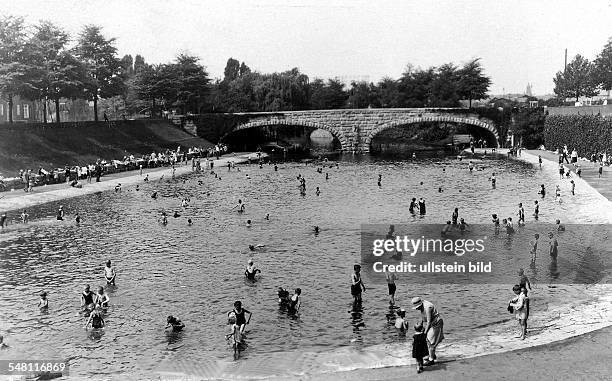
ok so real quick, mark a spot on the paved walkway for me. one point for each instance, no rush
(579, 358)
(18, 199)
(590, 172)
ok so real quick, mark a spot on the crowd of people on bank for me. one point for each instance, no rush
(27, 179)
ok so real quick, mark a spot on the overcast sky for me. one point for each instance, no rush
(519, 41)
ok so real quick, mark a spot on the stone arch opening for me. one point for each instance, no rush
(489, 127)
(289, 123)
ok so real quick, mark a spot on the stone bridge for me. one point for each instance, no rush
(354, 128)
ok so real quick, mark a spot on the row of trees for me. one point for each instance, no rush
(42, 62)
(37, 63)
(582, 77)
(242, 90)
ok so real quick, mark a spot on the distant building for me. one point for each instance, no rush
(600, 99)
(529, 90)
(23, 110)
(28, 111)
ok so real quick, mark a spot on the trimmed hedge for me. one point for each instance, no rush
(587, 134)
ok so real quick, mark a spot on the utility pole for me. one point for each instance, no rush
(565, 66)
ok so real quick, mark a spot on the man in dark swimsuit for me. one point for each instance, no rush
(240, 312)
(87, 297)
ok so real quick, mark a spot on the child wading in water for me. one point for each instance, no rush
(43, 304)
(419, 346)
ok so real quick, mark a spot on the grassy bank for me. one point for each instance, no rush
(51, 146)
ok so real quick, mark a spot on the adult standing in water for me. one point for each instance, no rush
(422, 209)
(434, 326)
(412, 206)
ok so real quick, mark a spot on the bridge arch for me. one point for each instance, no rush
(295, 122)
(485, 124)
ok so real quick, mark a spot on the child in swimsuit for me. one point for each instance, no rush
(44, 302)
(95, 318)
(102, 299)
(109, 273)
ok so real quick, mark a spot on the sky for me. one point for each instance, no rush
(519, 41)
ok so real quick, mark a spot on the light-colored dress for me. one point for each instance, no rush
(435, 335)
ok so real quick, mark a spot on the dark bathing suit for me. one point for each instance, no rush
(96, 321)
(240, 319)
(356, 288)
(88, 298)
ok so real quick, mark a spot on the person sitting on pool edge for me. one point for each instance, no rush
(175, 323)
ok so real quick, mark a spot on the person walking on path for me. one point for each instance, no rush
(434, 326)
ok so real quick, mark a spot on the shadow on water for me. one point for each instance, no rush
(590, 269)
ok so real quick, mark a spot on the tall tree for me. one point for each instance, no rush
(415, 85)
(360, 95)
(100, 56)
(603, 67)
(13, 68)
(473, 84)
(56, 73)
(192, 83)
(444, 88)
(139, 63)
(232, 70)
(388, 93)
(127, 63)
(577, 80)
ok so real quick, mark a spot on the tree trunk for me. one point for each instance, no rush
(95, 108)
(153, 109)
(10, 108)
(45, 111)
(57, 111)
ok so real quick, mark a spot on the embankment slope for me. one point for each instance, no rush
(52, 145)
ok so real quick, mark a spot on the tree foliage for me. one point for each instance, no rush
(577, 80)
(473, 84)
(55, 72)
(106, 77)
(603, 67)
(14, 69)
